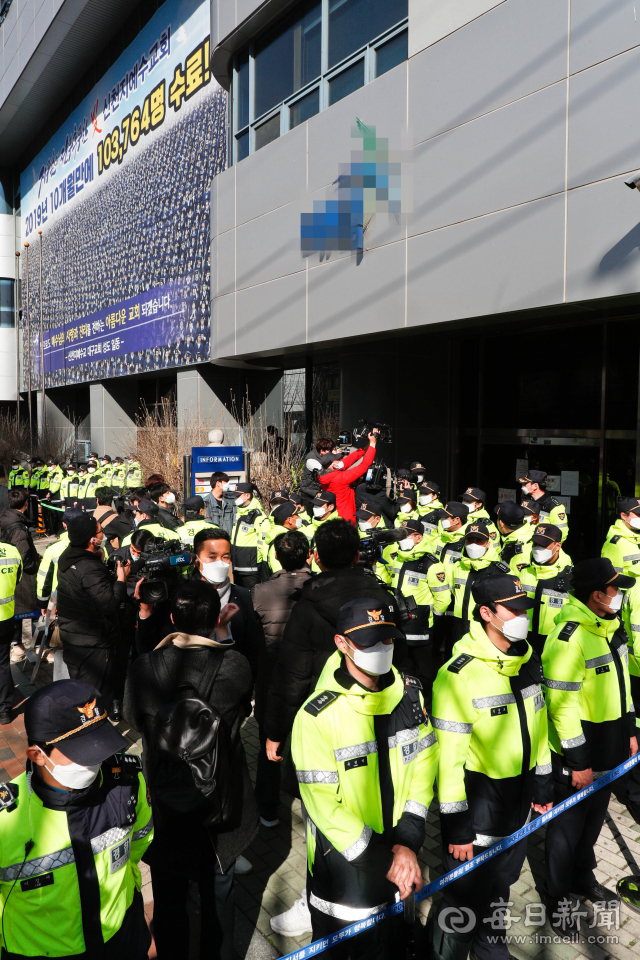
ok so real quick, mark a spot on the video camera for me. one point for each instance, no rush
(371, 546)
(367, 427)
(159, 563)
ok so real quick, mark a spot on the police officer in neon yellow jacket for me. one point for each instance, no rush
(285, 517)
(534, 486)
(479, 559)
(244, 536)
(365, 758)
(47, 575)
(10, 575)
(407, 503)
(428, 497)
(494, 766)
(413, 571)
(194, 520)
(72, 831)
(515, 535)
(547, 580)
(453, 518)
(474, 499)
(591, 721)
(622, 545)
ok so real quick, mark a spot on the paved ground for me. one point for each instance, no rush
(279, 868)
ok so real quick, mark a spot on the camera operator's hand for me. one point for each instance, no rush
(145, 609)
(123, 571)
(373, 436)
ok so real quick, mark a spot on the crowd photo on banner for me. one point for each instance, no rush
(402, 650)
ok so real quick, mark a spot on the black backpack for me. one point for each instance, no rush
(191, 750)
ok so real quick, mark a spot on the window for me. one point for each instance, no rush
(7, 308)
(317, 54)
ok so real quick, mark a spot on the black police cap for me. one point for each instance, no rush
(598, 574)
(244, 488)
(477, 529)
(428, 486)
(455, 509)
(323, 498)
(148, 506)
(415, 526)
(194, 503)
(408, 496)
(547, 533)
(511, 513)
(366, 622)
(433, 517)
(72, 716)
(531, 507)
(501, 588)
(279, 496)
(534, 476)
(471, 494)
(364, 513)
(416, 467)
(627, 505)
(294, 497)
(283, 511)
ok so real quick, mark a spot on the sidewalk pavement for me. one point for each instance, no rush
(278, 857)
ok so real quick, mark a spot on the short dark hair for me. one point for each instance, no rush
(45, 747)
(583, 594)
(218, 475)
(138, 494)
(324, 443)
(17, 497)
(158, 490)
(195, 608)
(337, 543)
(105, 496)
(141, 537)
(211, 533)
(272, 429)
(291, 549)
(476, 610)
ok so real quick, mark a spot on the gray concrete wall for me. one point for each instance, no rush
(521, 130)
(113, 410)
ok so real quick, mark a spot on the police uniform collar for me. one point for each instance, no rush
(56, 799)
(346, 680)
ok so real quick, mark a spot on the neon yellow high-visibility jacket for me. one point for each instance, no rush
(489, 772)
(631, 621)
(448, 546)
(56, 475)
(133, 475)
(402, 518)
(429, 507)
(482, 516)
(118, 476)
(89, 852)
(365, 763)
(43, 479)
(462, 574)
(516, 547)
(47, 575)
(553, 511)
(10, 574)
(18, 478)
(187, 532)
(245, 536)
(417, 573)
(622, 547)
(155, 529)
(585, 662)
(69, 489)
(548, 584)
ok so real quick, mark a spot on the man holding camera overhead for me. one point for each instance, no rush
(88, 603)
(338, 480)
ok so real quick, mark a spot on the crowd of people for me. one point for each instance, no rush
(393, 647)
(148, 226)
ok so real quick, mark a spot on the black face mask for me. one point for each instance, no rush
(518, 648)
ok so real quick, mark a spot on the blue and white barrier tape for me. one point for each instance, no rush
(319, 946)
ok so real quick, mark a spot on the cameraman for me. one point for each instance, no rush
(309, 483)
(165, 498)
(88, 603)
(340, 475)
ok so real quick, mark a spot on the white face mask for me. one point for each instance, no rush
(216, 571)
(472, 507)
(170, 498)
(318, 512)
(516, 629)
(406, 544)
(541, 554)
(70, 473)
(614, 603)
(375, 660)
(73, 775)
(225, 486)
(426, 498)
(419, 478)
(634, 522)
(240, 501)
(446, 523)
(525, 490)
(103, 463)
(91, 470)
(405, 508)
(475, 550)
(364, 525)
(298, 522)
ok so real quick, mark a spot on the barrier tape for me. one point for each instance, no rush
(319, 946)
(43, 503)
(31, 615)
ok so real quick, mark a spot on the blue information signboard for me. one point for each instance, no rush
(208, 460)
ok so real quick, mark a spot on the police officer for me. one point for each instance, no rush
(56, 475)
(34, 483)
(69, 486)
(106, 471)
(245, 535)
(324, 508)
(515, 533)
(368, 518)
(194, 520)
(428, 497)
(47, 575)
(547, 579)
(10, 574)
(407, 503)
(365, 758)
(417, 472)
(534, 487)
(494, 765)
(474, 498)
(83, 483)
(413, 571)
(430, 522)
(94, 480)
(18, 475)
(453, 517)
(591, 724)
(532, 510)
(147, 519)
(285, 517)
(479, 559)
(118, 475)
(133, 475)
(265, 524)
(622, 545)
(43, 494)
(72, 831)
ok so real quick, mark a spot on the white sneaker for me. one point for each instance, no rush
(269, 823)
(293, 922)
(242, 867)
(17, 653)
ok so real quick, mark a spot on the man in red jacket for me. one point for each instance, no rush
(341, 474)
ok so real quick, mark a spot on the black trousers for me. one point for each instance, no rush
(374, 944)
(476, 892)
(171, 920)
(94, 665)
(570, 840)
(268, 775)
(7, 629)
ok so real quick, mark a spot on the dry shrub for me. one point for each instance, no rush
(161, 444)
(55, 442)
(14, 441)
